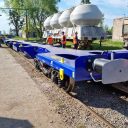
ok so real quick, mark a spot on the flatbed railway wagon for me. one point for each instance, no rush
(66, 67)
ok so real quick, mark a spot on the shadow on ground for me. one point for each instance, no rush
(14, 123)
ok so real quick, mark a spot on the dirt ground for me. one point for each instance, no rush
(22, 105)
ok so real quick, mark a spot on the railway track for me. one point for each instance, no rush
(122, 87)
(94, 114)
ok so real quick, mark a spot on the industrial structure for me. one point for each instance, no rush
(83, 19)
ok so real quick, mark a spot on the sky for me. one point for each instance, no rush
(110, 8)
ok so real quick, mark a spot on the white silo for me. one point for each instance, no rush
(47, 23)
(86, 14)
(64, 19)
(54, 22)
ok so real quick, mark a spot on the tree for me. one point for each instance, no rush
(15, 14)
(16, 21)
(37, 11)
(108, 30)
(85, 1)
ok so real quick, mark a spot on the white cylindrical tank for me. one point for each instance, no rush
(47, 23)
(86, 14)
(64, 19)
(54, 22)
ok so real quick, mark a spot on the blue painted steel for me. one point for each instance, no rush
(10, 43)
(75, 63)
(32, 51)
(17, 46)
(54, 61)
(73, 66)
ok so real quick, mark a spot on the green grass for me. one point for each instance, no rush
(18, 38)
(69, 44)
(29, 39)
(106, 44)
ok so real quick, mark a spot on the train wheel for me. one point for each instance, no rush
(49, 72)
(66, 85)
(36, 63)
(69, 85)
(54, 76)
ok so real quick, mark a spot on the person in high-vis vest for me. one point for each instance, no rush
(75, 41)
(63, 40)
(49, 40)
